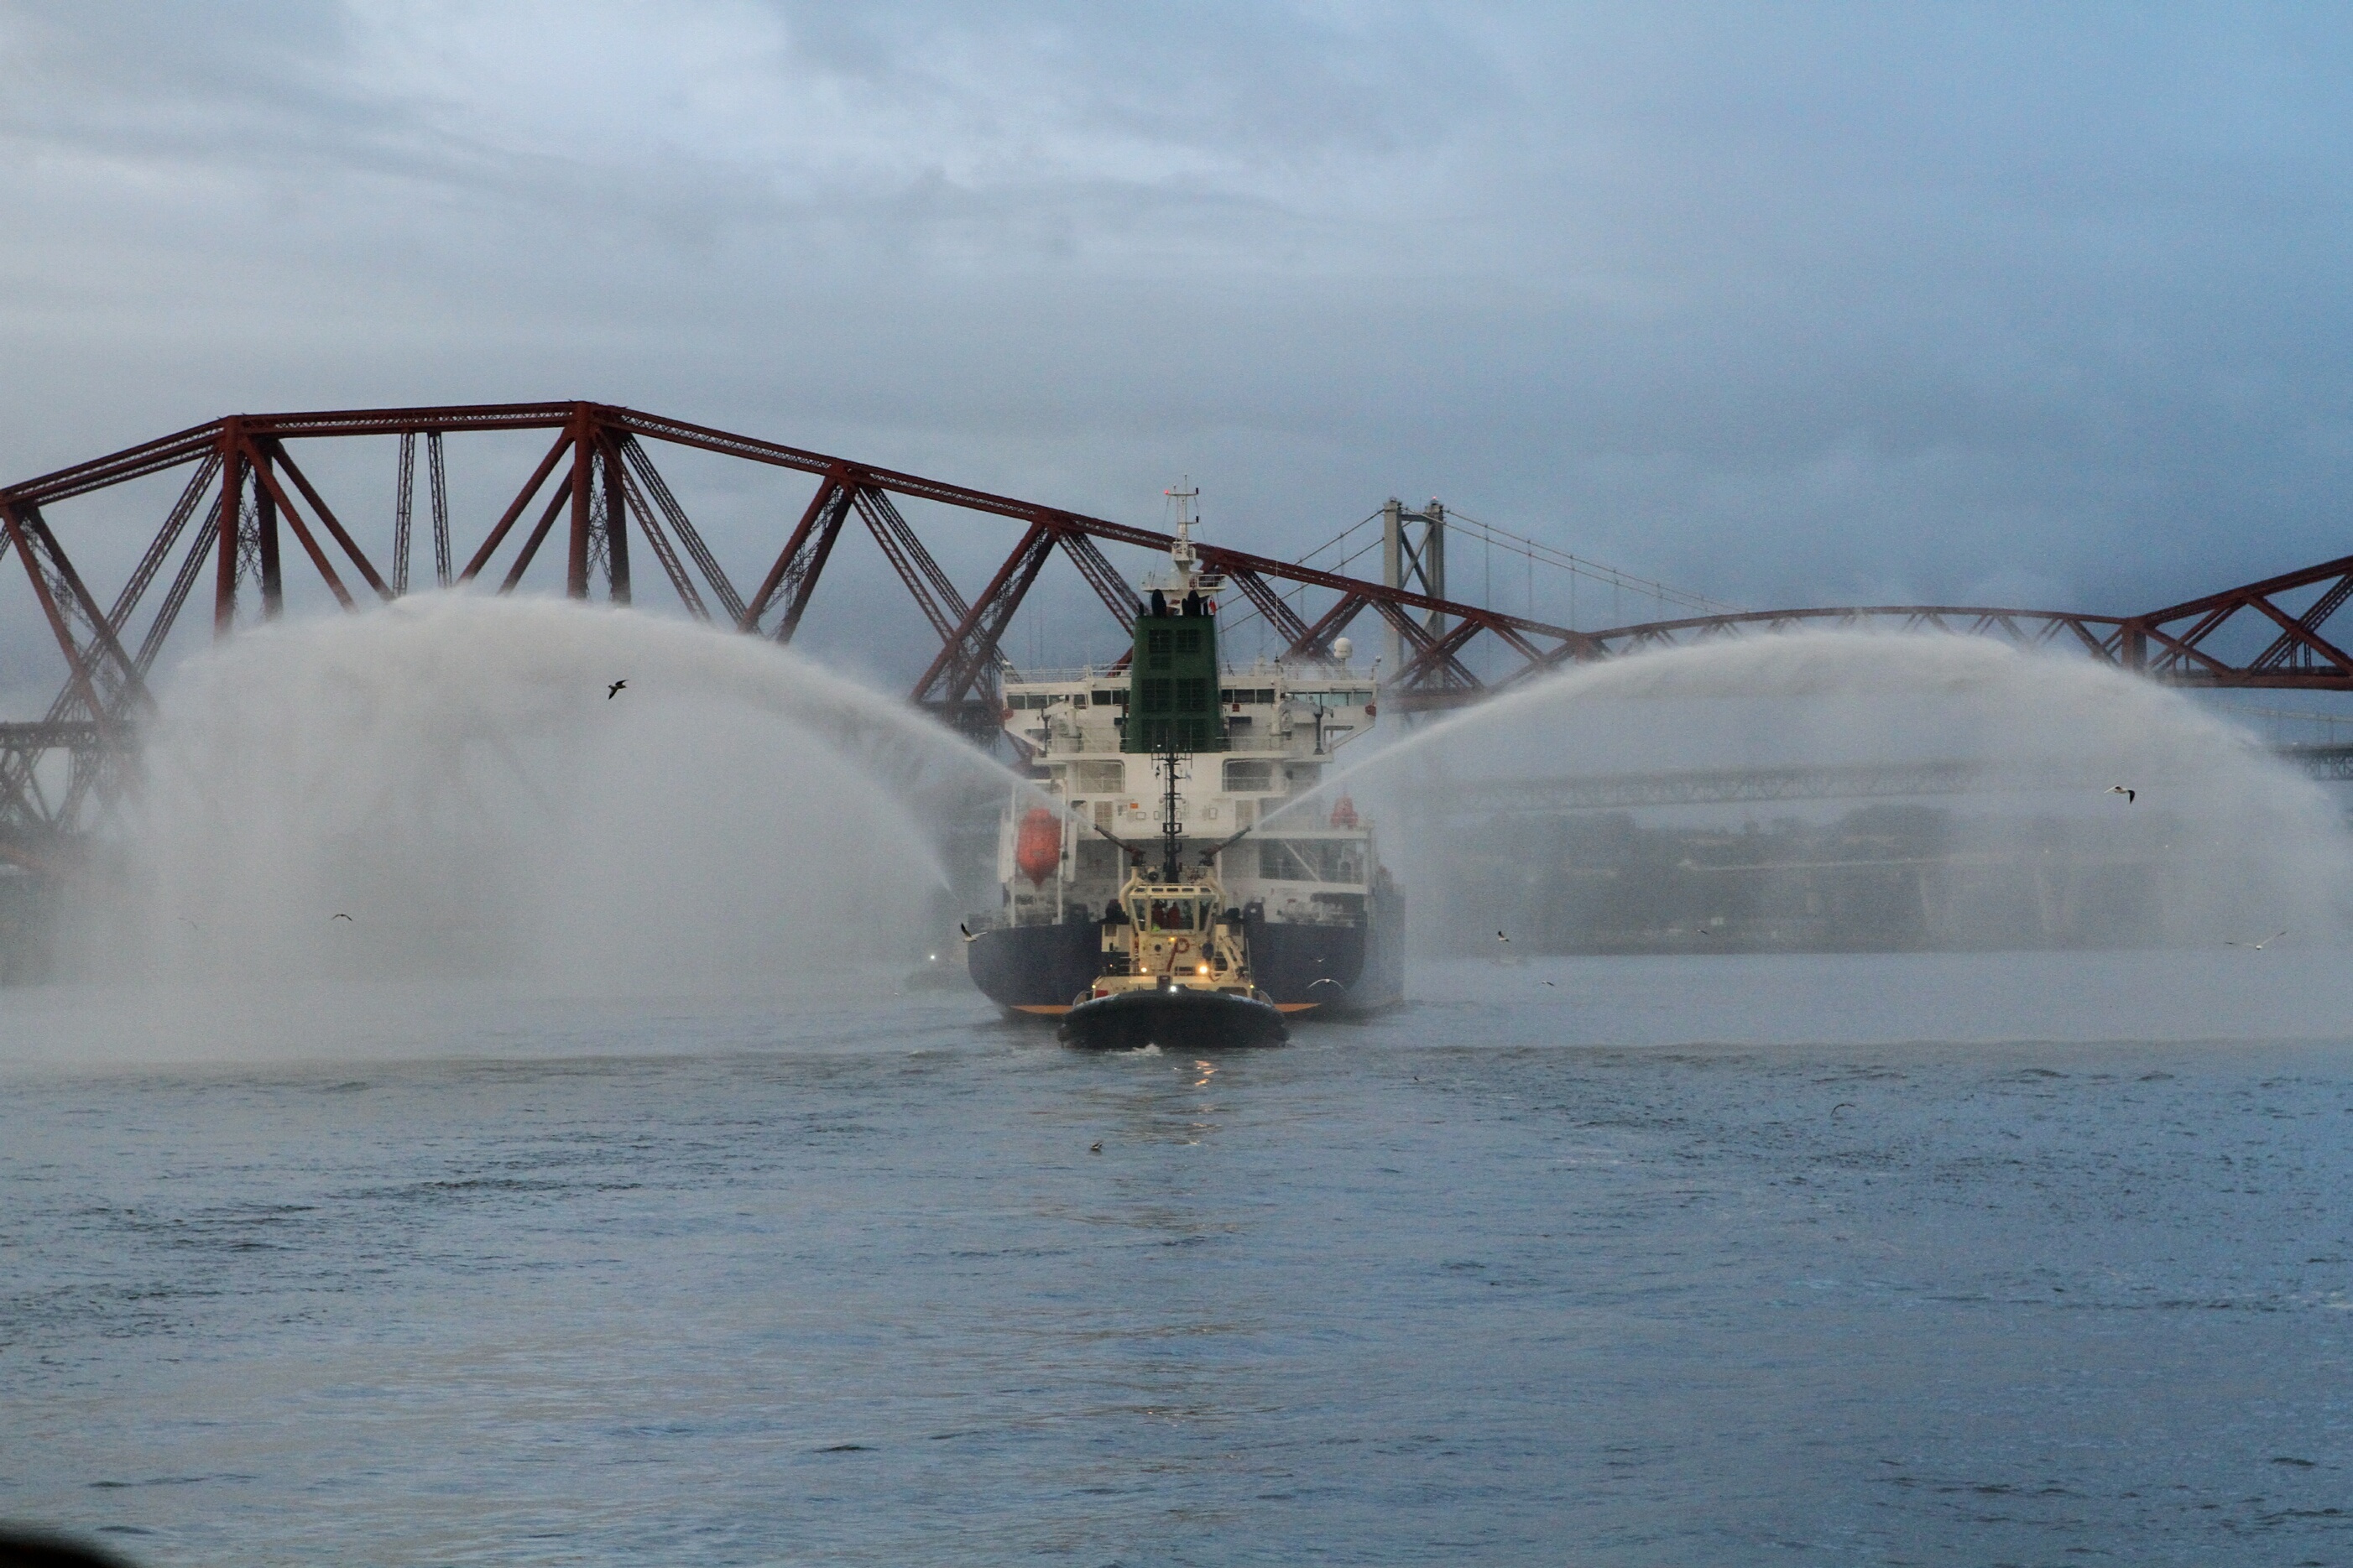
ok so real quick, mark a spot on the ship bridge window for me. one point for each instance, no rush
(1099, 778)
(1111, 698)
(1235, 696)
(1249, 773)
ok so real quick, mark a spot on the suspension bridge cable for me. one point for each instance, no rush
(1578, 565)
(1536, 553)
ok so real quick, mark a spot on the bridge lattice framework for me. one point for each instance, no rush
(246, 498)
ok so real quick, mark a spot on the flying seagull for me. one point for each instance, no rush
(2257, 946)
(339, 917)
(1097, 1147)
(1843, 1105)
(1501, 937)
(615, 690)
(2129, 795)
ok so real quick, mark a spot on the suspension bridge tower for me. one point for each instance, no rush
(1413, 557)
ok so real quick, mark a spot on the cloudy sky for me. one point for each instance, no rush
(1782, 303)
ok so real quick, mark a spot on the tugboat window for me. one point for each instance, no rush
(1172, 914)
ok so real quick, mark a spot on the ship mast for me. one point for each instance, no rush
(1181, 556)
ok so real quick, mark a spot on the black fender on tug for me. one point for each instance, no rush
(1173, 1017)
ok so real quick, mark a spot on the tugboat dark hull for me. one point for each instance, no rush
(1173, 1019)
(1338, 967)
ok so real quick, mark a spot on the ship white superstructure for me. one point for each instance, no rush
(1285, 723)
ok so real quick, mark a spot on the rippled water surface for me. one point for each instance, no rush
(1525, 1272)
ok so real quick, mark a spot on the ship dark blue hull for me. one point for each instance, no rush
(1032, 968)
(1349, 967)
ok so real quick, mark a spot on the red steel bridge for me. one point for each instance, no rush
(595, 489)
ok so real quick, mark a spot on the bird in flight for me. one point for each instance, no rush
(2129, 795)
(1501, 937)
(339, 917)
(615, 690)
(2257, 946)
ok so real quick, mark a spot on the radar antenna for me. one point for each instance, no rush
(1181, 555)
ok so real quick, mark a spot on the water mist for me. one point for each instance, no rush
(2230, 845)
(447, 788)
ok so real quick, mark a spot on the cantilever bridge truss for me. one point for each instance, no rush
(248, 508)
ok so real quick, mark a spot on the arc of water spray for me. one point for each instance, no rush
(1509, 702)
(1488, 709)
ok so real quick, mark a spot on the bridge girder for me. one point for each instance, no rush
(597, 476)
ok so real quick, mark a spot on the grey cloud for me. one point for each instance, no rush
(1784, 303)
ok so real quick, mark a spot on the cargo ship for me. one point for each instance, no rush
(1249, 746)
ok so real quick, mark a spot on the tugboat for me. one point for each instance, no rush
(1321, 921)
(1175, 958)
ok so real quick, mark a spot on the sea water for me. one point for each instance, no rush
(1873, 1259)
(482, 1121)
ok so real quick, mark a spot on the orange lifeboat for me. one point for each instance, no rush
(1038, 848)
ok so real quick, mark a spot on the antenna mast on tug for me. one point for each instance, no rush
(1186, 568)
(1171, 830)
